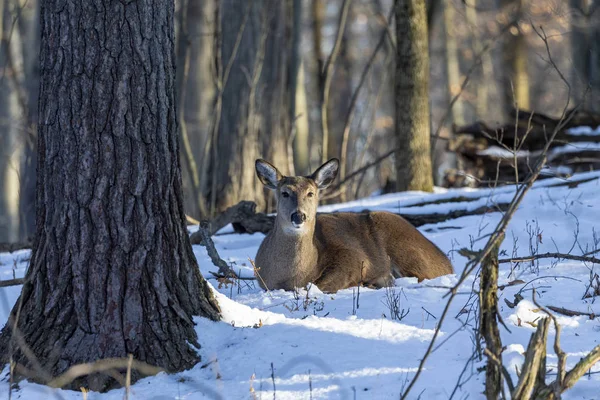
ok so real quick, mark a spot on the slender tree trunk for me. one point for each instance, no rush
(13, 121)
(255, 113)
(197, 75)
(585, 46)
(486, 75)
(516, 82)
(30, 28)
(341, 90)
(489, 322)
(112, 270)
(318, 16)
(453, 64)
(521, 75)
(413, 160)
(298, 102)
(301, 140)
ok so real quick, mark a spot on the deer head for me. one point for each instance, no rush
(297, 196)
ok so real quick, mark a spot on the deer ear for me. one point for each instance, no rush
(326, 173)
(268, 174)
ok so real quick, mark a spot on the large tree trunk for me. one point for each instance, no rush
(413, 160)
(254, 61)
(112, 271)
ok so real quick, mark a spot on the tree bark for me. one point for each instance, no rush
(413, 160)
(112, 270)
(489, 322)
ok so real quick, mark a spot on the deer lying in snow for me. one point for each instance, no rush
(338, 250)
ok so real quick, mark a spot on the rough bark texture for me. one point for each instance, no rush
(413, 161)
(112, 271)
(255, 107)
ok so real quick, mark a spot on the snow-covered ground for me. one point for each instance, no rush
(345, 345)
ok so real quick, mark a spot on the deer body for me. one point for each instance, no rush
(338, 250)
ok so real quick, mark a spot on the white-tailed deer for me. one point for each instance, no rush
(338, 250)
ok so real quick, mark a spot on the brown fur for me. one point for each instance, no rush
(339, 250)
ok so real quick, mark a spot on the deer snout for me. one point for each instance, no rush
(298, 218)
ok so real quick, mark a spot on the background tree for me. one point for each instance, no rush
(298, 101)
(453, 63)
(515, 56)
(254, 111)
(196, 91)
(19, 81)
(413, 160)
(112, 270)
(585, 42)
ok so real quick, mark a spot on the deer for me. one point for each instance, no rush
(337, 250)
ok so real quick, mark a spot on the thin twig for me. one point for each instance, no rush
(550, 255)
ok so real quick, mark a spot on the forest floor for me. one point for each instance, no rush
(311, 345)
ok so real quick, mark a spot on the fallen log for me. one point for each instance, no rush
(507, 153)
(12, 247)
(12, 282)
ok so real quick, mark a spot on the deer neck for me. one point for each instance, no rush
(299, 246)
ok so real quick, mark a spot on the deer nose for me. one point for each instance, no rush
(298, 218)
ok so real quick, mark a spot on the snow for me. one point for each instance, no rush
(584, 131)
(343, 350)
(575, 148)
(496, 151)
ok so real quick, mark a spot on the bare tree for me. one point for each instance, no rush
(112, 270)
(413, 161)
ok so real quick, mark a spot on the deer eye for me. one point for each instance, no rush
(285, 194)
(310, 194)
